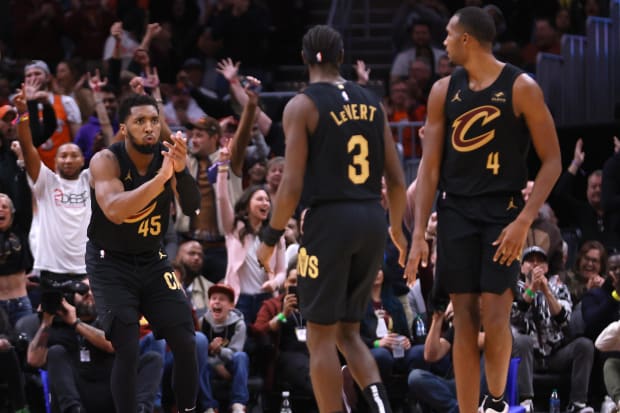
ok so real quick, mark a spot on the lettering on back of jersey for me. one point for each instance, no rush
(483, 116)
(354, 111)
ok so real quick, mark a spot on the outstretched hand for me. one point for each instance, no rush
(137, 86)
(228, 69)
(579, 155)
(20, 100)
(363, 72)
(95, 83)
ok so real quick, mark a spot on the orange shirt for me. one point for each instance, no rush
(62, 135)
(414, 114)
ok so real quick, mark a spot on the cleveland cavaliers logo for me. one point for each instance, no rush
(462, 125)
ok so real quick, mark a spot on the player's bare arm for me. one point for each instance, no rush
(428, 175)
(529, 103)
(396, 191)
(116, 203)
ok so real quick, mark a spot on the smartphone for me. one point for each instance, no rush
(292, 289)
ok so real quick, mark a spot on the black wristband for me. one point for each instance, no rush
(270, 236)
(75, 324)
(183, 172)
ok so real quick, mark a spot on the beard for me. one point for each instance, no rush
(145, 148)
(85, 310)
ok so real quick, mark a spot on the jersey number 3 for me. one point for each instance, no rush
(359, 171)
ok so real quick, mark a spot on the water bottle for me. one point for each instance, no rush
(286, 403)
(420, 330)
(608, 405)
(554, 402)
(398, 349)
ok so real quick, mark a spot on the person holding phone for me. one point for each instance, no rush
(280, 319)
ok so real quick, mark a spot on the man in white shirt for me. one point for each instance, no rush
(63, 204)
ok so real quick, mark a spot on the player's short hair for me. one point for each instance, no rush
(478, 23)
(322, 45)
(134, 100)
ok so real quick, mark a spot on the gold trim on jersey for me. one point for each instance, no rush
(139, 216)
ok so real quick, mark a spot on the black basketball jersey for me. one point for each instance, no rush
(143, 231)
(346, 152)
(486, 145)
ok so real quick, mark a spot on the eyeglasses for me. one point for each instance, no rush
(592, 260)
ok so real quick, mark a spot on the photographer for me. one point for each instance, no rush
(79, 358)
(279, 317)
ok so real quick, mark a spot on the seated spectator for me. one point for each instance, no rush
(79, 358)
(540, 312)
(195, 284)
(590, 270)
(421, 38)
(608, 341)
(279, 317)
(421, 77)
(545, 39)
(224, 328)
(404, 104)
(291, 239)
(384, 329)
(11, 371)
(444, 66)
(600, 306)
(432, 391)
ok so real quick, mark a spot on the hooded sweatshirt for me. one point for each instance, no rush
(232, 330)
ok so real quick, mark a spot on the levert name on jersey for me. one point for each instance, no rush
(354, 111)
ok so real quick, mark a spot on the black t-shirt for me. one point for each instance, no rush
(100, 365)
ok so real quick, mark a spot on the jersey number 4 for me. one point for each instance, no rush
(493, 162)
(150, 226)
(359, 171)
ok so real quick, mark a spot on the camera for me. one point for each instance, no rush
(52, 293)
